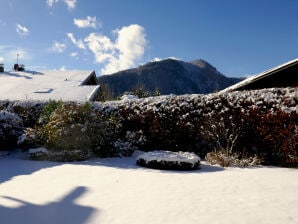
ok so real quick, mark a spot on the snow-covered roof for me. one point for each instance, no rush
(45, 85)
(262, 75)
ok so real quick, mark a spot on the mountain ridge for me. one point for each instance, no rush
(169, 76)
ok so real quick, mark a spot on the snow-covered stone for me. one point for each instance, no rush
(38, 153)
(36, 150)
(169, 160)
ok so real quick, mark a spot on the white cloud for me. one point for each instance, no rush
(71, 4)
(22, 30)
(74, 54)
(79, 43)
(52, 2)
(58, 47)
(131, 43)
(124, 53)
(89, 22)
(101, 46)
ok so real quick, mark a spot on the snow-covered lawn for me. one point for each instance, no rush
(115, 190)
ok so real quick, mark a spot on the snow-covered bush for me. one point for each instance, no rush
(105, 135)
(32, 138)
(167, 160)
(131, 142)
(28, 111)
(11, 128)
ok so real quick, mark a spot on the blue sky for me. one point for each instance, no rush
(238, 37)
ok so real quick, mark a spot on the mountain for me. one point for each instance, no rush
(170, 76)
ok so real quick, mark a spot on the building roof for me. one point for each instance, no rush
(279, 76)
(45, 85)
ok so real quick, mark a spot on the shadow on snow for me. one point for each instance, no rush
(18, 164)
(62, 211)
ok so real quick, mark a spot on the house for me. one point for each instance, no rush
(46, 85)
(285, 75)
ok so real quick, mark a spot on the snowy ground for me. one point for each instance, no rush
(117, 191)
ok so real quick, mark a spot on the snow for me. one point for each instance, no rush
(8, 116)
(37, 150)
(4, 153)
(45, 85)
(129, 97)
(115, 190)
(170, 157)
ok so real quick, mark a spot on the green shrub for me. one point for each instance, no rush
(79, 128)
(47, 111)
(67, 128)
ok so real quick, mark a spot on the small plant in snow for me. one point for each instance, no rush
(225, 158)
(223, 130)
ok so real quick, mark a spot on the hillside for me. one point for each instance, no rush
(170, 77)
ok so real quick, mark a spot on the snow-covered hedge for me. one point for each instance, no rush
(199, 123)
(167, 160)
(175, 122)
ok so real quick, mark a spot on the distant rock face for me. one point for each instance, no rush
(170, 77)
